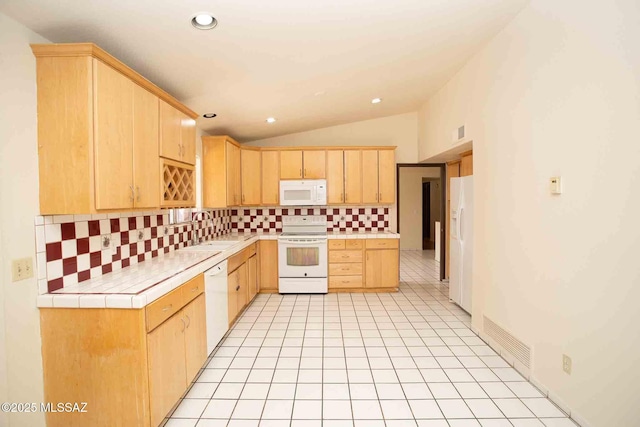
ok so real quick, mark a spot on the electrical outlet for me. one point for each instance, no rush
(140, 235)
(566, 364)
(21, 269)
(106, 241)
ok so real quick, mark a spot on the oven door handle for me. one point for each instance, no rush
(303, 242)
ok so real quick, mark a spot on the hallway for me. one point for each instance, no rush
(362, 359)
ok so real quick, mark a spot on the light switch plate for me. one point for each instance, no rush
(555, 185)
(21, 269)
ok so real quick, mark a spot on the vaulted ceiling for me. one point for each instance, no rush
(309, 64)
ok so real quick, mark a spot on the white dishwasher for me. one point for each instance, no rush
(216, 297)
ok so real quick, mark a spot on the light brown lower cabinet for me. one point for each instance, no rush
(242, 281)
(129, 365)
(268, 254)
(252, 276)
(382, 263)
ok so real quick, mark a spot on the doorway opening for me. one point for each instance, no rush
(421, 210)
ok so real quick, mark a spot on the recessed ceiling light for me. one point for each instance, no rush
(271, 120)
(376, 100)
(209, 115)
(204, 21)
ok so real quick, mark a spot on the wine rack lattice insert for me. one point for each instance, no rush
(178, 184)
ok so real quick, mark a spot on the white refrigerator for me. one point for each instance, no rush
(461, 241)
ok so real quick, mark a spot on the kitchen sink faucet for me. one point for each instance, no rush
(194, 240)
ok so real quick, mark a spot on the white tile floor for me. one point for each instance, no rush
(363, 360)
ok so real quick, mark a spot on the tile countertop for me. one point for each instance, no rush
(138, 285)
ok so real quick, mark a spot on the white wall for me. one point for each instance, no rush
(21, 375)
(400, 130)
(410, 201)
(557, 92)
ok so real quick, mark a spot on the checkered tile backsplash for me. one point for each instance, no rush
(339, 219)
(70, 248)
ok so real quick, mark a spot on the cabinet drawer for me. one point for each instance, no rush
(382, 243)
(355, 244)
(351, 269)
(163, 308)
(192, 288)
(336, 244)
(345, 256)
(345, 282)
(241, 257)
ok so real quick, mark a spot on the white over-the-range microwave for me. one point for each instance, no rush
(305, 192)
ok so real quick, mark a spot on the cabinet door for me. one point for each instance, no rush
(370, 176)
(188, 139)
(252, 277)
(167, 373)
(386, 177)
(353, 176)
(243, 292)
(291, 164)
(270, 177)
(146, 175)
(233, 174)
(382, 268)
(233, 285)
(335, 176)
(195, 336)
(170, 132)
(268, 276)
(313, 165)
(250, 176)
(113, 122)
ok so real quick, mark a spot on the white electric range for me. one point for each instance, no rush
(302, 255)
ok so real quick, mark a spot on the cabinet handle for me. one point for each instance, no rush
(194, 289)
(132, 197)
(345, 197)
(167, 308)
(301, 173)
(189, 321)
(138, 197)
(183, 324)
(243, 198)
(305, 171)
(238, 288)
(380, 197)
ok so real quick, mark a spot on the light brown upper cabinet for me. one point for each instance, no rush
(231, 174)
(299, 164)
(291, 164)
(386, 176)
(370, 176)
(146, 174)
(113, 121)
(234, 175)
(177, 135)
(378, 176)
(270, 177)
(313, 164)
(98, 131)
(221, 172)
(353, 176)
(335, 177)
(250, 160)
